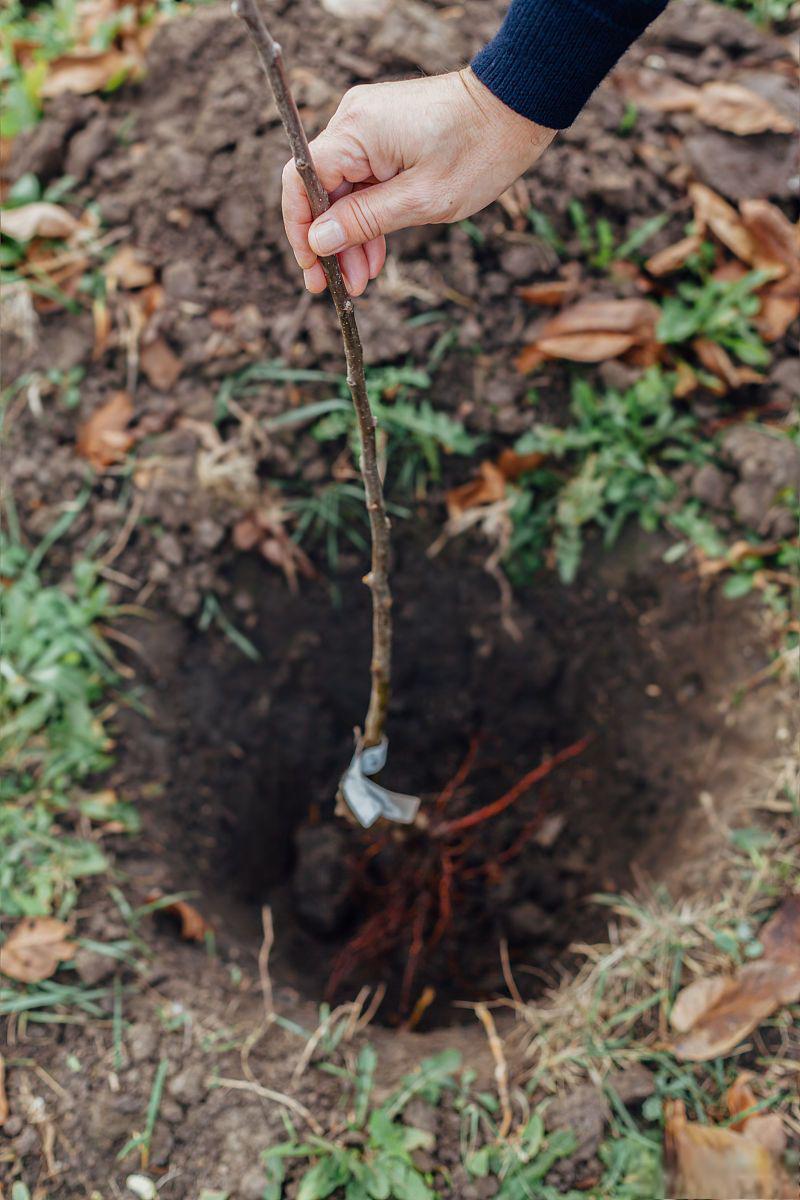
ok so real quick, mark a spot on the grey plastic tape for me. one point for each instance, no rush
(367, 799)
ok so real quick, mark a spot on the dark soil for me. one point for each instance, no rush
(237, 766)
(235, 771)
(247, 758)
(185, 166)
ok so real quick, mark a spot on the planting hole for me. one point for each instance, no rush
(640, 658)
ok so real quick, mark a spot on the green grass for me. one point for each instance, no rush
(413, 435)
(762, 12)
(599, 245)
(58, 685)
(619, 448)
(719, 310)
(52, 29)
(598, 241)
(373, 1161)
(56, 671)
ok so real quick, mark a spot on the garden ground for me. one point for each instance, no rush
(188, 644)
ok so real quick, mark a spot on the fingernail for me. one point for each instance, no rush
(327, 237)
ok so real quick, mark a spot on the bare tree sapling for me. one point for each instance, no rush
(365, 797)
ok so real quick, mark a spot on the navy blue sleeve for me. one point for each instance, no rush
(550, 55)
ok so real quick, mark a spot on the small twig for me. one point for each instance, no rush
(124, 535)
(500, 1069)
(256, 1089)
(375, 1003)
(269, 52)
(263, 964)
(317, 1036)
(508, 975)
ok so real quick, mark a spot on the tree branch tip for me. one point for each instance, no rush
(271, 58)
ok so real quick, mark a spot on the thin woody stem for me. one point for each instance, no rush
(269, 52)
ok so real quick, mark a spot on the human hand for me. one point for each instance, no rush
(418, 152)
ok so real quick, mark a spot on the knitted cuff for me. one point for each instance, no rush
(550, 55)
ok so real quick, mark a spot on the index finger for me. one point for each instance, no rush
(297, 215)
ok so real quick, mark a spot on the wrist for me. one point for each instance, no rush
(526, 137)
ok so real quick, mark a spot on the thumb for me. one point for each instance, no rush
(367, 214)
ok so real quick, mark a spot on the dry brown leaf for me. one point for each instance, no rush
(4, 1109)
(686, 380)
(247, 533)
(672, 258)
(717, 360)
(662, 93)
(636, 317)
(512, 465)
(587, 347)
(149, 300)
(486, 489)
(6, 146)
(85, 73)
(730, 271)
(39, 219)
(551, 293)
(713, 1015)
(750, 997)
(529, 358)
(736, 109)
(161, 366)
(780, 937)
(714, 213)
(593, 331)
(490, 486)
(34, 948)
(101, 314)
(775, 238)
(767, 1129)
(696, 999)
(128, 269)
(193, 925)
(709, 1163)
(776, 314)
(104, 439)
(737, 553)
(283, 552)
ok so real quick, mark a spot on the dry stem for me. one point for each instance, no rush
(269, 52)
(500, 1070)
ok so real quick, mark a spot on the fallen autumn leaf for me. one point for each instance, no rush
(193, 926)
(85, 73)
(490, 484)
(736, 109)
(161, 366)
(104, 439)
(714, 213)
(593, 331)
(40, 219)
(706, 1162)
(713, 1015)
(777, 240)
(673, 257)
(34, 948)
(128, 269)
(717, 360)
